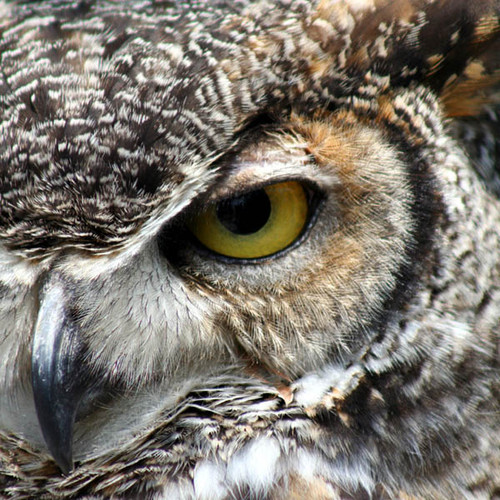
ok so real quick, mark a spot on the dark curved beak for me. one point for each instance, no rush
(58, 371)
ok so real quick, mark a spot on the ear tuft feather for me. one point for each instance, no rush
(467, 92)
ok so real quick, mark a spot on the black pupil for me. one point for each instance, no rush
(245, 214)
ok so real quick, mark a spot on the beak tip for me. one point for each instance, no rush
(63, 461)
(57, 430)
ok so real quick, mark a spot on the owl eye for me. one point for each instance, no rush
(256, 224)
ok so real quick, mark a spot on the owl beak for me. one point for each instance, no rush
(58, 373)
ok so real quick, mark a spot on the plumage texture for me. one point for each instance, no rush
(362, 361)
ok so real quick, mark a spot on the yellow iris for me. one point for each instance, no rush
(255, 224)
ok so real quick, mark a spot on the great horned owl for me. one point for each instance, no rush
(250, 249)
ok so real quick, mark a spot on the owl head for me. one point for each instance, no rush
(249, 248)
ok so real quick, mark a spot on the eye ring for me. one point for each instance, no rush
(255, 225)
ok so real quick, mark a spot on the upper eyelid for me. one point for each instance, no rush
(307, 182)
(258, 164)
(227, 188)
